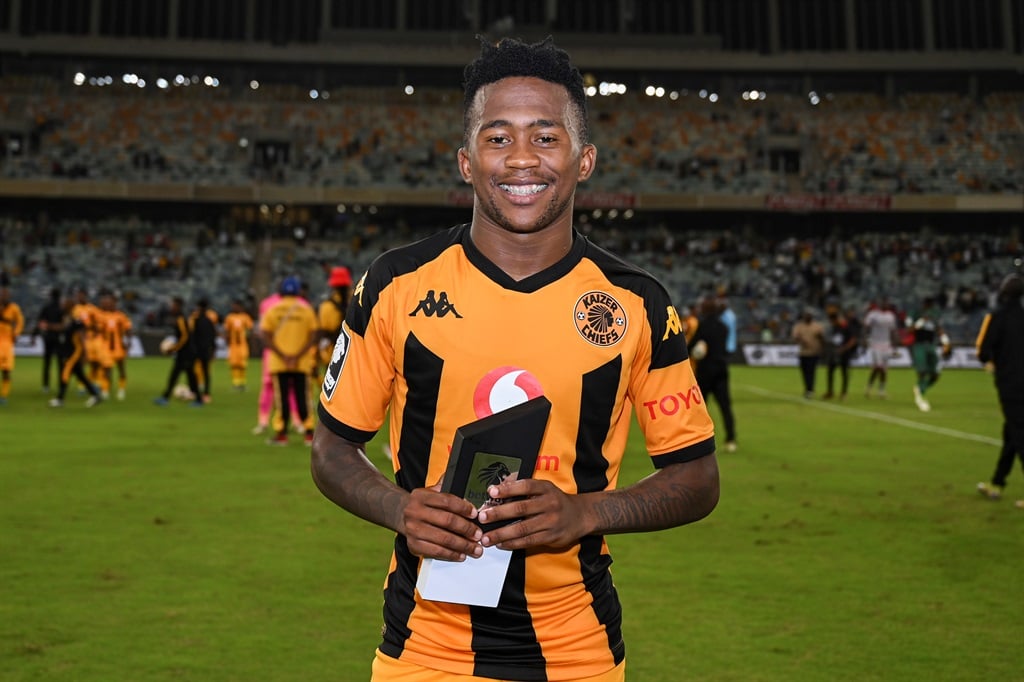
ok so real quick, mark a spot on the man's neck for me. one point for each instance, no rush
(522, 255)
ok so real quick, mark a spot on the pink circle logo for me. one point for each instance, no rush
(502, 388)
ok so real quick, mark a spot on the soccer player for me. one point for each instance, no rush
(236, 329)
(114, 327)
(12, 323)
(1001, 344)
(84, 310)
(71, 345)
(203, 326)
(514, 305)
(289, 330)
(880, 332)
(184, 352)
(929, 341)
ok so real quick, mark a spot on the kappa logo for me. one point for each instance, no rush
(673, 325)
(434, 305)
(357, 293)
(600, 319)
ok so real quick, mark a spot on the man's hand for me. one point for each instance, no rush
(547, 516)
(440, 525)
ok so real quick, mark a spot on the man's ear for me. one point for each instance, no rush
(588, 157)
(464, 166)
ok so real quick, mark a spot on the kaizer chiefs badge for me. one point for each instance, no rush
(600, 319)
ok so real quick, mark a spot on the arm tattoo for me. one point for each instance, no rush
(674, 496)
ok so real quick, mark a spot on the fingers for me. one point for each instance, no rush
(541, 515)
(441, 526)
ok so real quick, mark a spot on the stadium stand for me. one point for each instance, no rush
(867, 150)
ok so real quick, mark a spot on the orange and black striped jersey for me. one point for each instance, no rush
(236, 328)
(12, 323)
(88, 314)
(113, 326)
(440, 337)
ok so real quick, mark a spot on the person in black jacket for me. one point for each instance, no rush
(708, 351)
(1001, 346)
(204, 340)
(48, 326)
(70, 344)
(184, 350)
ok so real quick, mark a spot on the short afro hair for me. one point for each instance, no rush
(511, 57)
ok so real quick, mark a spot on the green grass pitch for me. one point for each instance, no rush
(151, 544)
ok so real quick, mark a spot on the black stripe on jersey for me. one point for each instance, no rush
(597, 579)
(597, 404)
(590, 471)
(423, 374)
(505, 645)
(687, 454)
(664, 352)
(399, 601)
(343, 430)
(423, 378)
(392, 264)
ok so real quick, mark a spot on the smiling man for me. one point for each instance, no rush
(484, 316)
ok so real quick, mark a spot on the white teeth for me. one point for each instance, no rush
(523, 190)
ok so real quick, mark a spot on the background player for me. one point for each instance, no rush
(12, 323)
(235, 330)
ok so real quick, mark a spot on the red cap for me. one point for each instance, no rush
(340, 277)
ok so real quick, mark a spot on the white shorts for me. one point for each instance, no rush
(880, 354)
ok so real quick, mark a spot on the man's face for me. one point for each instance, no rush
(522, 156)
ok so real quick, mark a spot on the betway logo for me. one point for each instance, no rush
(672, 404)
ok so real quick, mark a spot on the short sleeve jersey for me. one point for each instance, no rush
(291, 321)
(880, 325)
(236, 328)
(114, 325)
(438, 336)
(12, 323)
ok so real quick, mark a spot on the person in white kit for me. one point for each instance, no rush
(880, 326)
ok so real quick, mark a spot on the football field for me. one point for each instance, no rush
(154, 543)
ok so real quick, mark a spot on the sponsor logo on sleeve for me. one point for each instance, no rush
(338, 356)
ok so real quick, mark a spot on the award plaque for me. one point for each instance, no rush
(497, 448)
(486, 452)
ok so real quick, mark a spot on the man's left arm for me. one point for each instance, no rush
(675, 495)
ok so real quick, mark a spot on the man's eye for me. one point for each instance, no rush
(497, 139)
(547, 139)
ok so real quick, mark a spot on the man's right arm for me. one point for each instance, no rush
(435, 524)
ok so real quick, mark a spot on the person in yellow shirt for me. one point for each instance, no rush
(112, 326)
(88, 314)
(331, 312)
(289, 329)
(238, 325)
(12, 323)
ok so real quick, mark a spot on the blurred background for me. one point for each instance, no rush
(783, 153)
